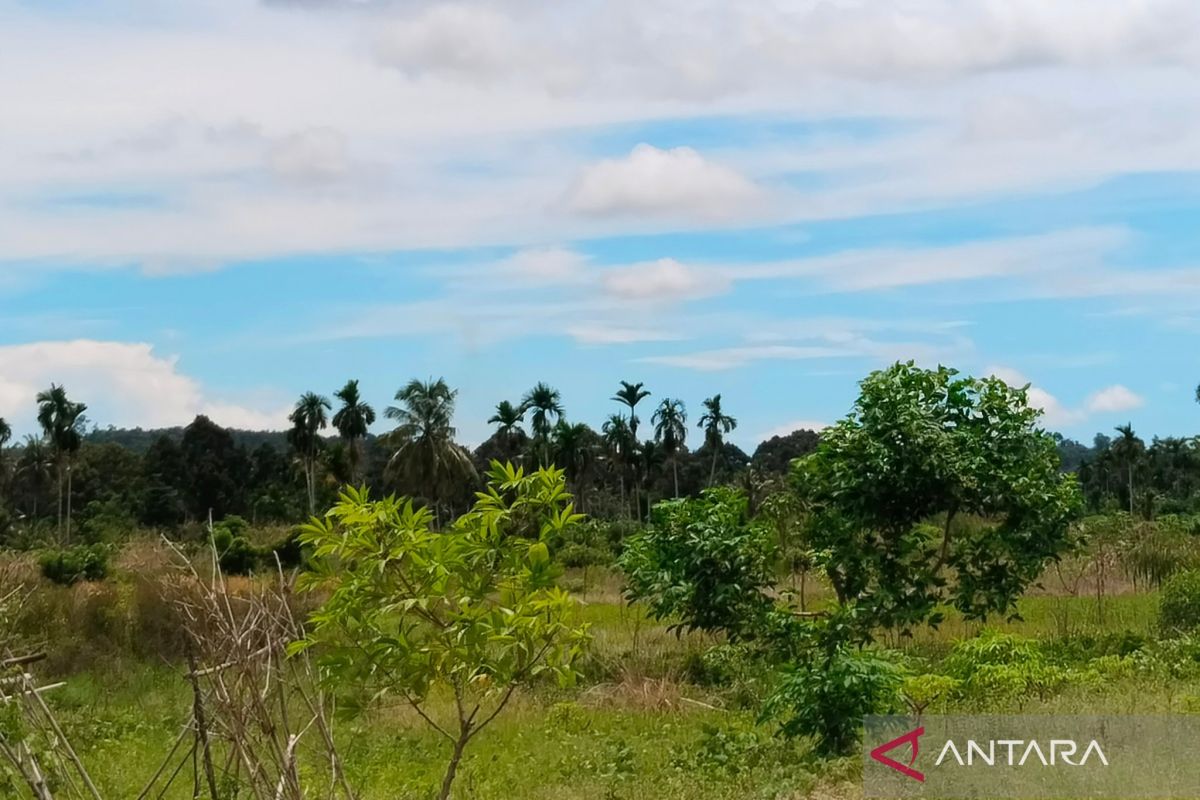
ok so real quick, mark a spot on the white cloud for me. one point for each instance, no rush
(317, 154)
(543, 265)
(618, 334)
(665, 280)
(1113, 399)
(732, 357)
(678, 183)
(124, 384)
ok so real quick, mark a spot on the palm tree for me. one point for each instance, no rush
(5, 435)
(37, 466)
(670, 429)
(621, 446)
(1128, 447)
(546, 404)
(650, 457)
(574, 452)
(715, 424)
(630, 394)
(61, 420)
(508, 418)
(426, 455)
(352, 421)
(308, 419)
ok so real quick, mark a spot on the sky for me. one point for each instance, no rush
(213, 207)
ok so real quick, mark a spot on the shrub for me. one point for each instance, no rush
(826, 697)
(235, 553)
(1179, 603)
(703, 562)
(1001, 668)
(74, 564)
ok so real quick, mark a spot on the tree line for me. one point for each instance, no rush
(94, 484)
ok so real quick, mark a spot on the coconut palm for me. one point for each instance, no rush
(546, 405)
(629, 395)
(426, 456)
(621, 446)
(670, 430)
(61, 420)
(715, 423)
(352, 421)
(35, 465)
(308, 419)
(1129, 449)
(508, 419)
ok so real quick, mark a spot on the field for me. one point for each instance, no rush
(648, 719)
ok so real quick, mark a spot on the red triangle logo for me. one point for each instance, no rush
(911, 738)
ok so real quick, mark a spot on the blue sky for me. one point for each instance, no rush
(213, 209)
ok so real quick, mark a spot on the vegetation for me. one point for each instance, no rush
(715, 628)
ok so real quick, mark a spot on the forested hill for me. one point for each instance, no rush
(139, 440)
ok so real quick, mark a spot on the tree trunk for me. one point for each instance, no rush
(624, 501)
(675, 474)
(68, 502)
(712, 473)
(58, 485)
(452, 767)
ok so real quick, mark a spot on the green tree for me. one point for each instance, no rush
(508, 419)
(921, 451)
(670, 430)
(629, 395)
(622, 448)
(715, 424)
(426, 458)
(575, 453)
(61, 421)
(5, 436)
(308, 419)
(216, 470)
(473, 611)
(1129, 449)
(546, 405)
(35, 468)
(352, 420)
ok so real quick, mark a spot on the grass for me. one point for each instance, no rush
(635, 729)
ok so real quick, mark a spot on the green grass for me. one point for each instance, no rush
(635, 729)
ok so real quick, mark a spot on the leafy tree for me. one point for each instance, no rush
(715, 423)
(921, 451)
(775, 455)
(575, 452)
(703, 562)
(629, 395)
(508, 419)
(164, 475)
(353, 419)
(216, 470)
(546, 405)
(473, 610)
(621, 445)
(426, 457)
(308, 419)
(670, 430)
(61, 421)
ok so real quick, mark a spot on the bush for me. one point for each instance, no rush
(74, 564)
(828, 696)
(997, 669)
(703, 562)
(1179, 603)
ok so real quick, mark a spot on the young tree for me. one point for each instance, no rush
(715, 423)
(61, 421)
(921, 450)
(546, 405)
(473, 610)
(352, 420)
(308, 419)
(670, 430)
(426, 457)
